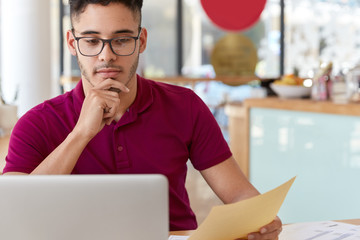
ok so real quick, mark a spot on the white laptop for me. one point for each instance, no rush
(89, 207)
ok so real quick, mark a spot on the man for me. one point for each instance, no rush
(117, 122)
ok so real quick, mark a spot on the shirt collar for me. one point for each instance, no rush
(79, 97)
(144, 96)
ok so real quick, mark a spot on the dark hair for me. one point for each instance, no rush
(78, 6)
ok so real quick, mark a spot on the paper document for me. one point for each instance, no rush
(236, 220)
(175, 237)
(327, 230)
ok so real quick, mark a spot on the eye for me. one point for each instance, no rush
(91, 41)
(121, 41)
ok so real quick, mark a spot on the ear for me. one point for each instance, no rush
(70, 40)
(143, 40)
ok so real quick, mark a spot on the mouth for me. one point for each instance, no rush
(108, 73)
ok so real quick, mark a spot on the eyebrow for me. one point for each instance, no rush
(116, 32)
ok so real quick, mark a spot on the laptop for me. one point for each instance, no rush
(91, 207)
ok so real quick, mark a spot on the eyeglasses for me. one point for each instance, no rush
(93, 46)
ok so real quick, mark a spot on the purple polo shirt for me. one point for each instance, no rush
(164, 127)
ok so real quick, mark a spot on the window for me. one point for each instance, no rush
(315, 31)
(159, 18)
(322, 31)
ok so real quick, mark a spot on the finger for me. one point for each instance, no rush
(270, 231)
(265, 236)
(106, 103)
(112, 84)
(271, 227)
(109, 102)
(113, 89)
(110, 93)
(107, 110)
(108, 121)
(108, 118)
(258, 236)
(271, 235)
(110, 108)
(96, 94)
(110, 113)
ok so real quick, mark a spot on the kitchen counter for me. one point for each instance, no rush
(238, 118)
(306, 105)
(319, 142)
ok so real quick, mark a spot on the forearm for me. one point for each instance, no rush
(238, 190)
(228, 182)
(63, 159)
(245, 192)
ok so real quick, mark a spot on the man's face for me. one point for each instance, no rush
(114, 20)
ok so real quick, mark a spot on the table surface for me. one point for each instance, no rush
(187, 233)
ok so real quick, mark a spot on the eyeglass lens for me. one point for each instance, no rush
(93, 46)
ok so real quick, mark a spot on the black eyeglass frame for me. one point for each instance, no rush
(106, 41)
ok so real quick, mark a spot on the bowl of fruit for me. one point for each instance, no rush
(290, 86)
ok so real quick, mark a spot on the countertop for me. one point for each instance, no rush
(306, 105)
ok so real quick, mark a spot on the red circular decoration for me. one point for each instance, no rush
(234, 15)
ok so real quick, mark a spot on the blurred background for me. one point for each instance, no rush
(308, 44)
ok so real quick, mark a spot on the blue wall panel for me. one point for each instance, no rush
(322, 150)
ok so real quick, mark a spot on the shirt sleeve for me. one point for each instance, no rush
(208, 146)
(28, 144)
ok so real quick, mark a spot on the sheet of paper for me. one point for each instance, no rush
(175, 237)
(326, 230)
(236, 220)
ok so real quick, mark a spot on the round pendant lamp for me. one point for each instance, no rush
(233, 15)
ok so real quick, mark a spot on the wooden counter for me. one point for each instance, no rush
(4, 144)
(238, 134)
(239, 122)
(307, 105)
(317, 141)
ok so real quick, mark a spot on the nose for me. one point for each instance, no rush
(107, 55)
